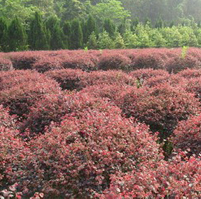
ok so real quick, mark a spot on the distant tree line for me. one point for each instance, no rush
(52, 34)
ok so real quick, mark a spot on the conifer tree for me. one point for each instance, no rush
(16, 36)
(3, 31)
(57, 36)
(134, 24)
(109, 27)
(90, 26)
(122, 27)
(105, 41)
(56, 39)
(67, 33)
(92, 42)
(119, 41)
(76, 39)
(38, 34)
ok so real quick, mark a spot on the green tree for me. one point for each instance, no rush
(143, 35)
(3, 31)
(156, 38)
(123, 27)
(57, 36)
(112, 9)
(17, 8)
(92, 42)
(57, 40)
(17, 38)
(38, 35)
(119, 41)
(130, 40)
(67, 33)
(104, 41)
(90, 26)
(109, 26)
(76, 39)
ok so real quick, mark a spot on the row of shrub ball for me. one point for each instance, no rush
(172, 60)
(71, 133)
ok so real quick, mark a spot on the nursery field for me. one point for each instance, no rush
(108, 124)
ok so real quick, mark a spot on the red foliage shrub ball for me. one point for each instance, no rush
(20, 95)
(24, 60)
(187, 135)
(193, 85)
(5, 64)
(76, 158)
(53, 107)
(114, 61)
(177, 64)
(11, 149)
(68, 79)
(143, 76)
(110, 77)
(173, 79)
(6, 120)
(190, 73)
(10, 146)
(147, 60)
(47, 63)
(77, 60)
(161, 106)
(104, 91)
(172, 179)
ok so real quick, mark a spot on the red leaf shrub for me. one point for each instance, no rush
(47, 63)
(19, 95)
(11, 148)
(161, 106)
(24, 60)
(190, 73)
(110, 77)
(83, 61)
(68, 79)
(6, 120)
(114, 61)
(173, 79)
(193, 85)
(53, 107)
(143, 75)
(76, 158)
(172, 179)
(147, 60)
(176, 64)
(104, 91)
(187, 135)
(9, 79)
(5, 64)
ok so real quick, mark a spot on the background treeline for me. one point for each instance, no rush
(98, 24)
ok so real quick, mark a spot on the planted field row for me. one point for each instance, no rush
(172, 60)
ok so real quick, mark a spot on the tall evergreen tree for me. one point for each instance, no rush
(134, 24)
(57, 40)
(3, 31)
(109, 27)
(122, 27)
(17, 38)
(57, 36)
(50, 22)
(92, 42)
(90, 26)
(67, 33)
(38, 35)
(76, 39)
